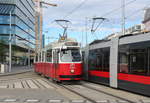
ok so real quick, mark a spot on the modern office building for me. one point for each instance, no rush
(21, 15)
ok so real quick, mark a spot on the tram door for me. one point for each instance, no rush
(55, 63)
(138, 60)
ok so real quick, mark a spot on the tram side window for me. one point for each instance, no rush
(99, 59)
(49, 56)
(134, 58)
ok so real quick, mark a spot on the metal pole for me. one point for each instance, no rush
(28, 44)
(86, 30)
(41, 56)
(82, 39)
(28, 50)
(10, 45)
(123, 17)
(38, 56)
(44, 56)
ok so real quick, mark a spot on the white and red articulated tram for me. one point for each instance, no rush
(61, 61)
(122, 62)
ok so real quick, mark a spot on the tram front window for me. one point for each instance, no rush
(72, 55)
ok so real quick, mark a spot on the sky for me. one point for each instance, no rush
(78, 12)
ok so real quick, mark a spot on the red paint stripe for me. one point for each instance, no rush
(134, 78)
(121, 76)
(99, 73)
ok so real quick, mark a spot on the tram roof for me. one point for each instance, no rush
(60, 43)
(123, 40)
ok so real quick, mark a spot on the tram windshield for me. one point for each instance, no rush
(70, 55)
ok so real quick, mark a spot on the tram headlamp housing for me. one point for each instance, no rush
(72, 71)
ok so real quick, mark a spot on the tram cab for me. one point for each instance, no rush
(63, 61)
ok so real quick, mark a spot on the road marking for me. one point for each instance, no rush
(32, 101)
(24, 83)
(103, 101)
(10, 86)
(45, 84)
(55, 101)
(18, 85)
(10, 100)
(145, 101)
(3, 86)
(31, 84)
(39, 84)
(78, 101)
(121, 101)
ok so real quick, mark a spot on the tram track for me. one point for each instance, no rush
(88, 98)
(108, 94)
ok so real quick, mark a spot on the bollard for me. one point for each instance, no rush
(2, 68)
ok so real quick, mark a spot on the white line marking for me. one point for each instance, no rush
(31, 84)
(10, 100)
(39, 84)
(25, 84)
(145, 101)
(55, 101)
(10, 86)
(32, 100)
(3, 86)
(44, 84)
(78, 101)
(18, 85)
(103, 101)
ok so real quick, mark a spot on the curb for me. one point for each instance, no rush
(14, 73)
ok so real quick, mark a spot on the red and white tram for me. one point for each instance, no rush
(61, 61)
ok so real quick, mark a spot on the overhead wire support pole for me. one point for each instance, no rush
(123, 16)
(40, 13)
(29, 64)
(10, 43)
(86, 23)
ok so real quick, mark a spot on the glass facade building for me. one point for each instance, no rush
(23, 25)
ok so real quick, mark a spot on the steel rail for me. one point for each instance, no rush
(108, 93)
(87, 98)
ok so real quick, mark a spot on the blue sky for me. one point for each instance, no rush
(90, 9)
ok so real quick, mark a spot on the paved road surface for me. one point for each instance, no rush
(32, 88)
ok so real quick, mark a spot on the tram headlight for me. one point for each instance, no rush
(72, 71)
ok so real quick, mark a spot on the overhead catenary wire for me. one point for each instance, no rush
(116, 9)
(138, 11)
(75, 9)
